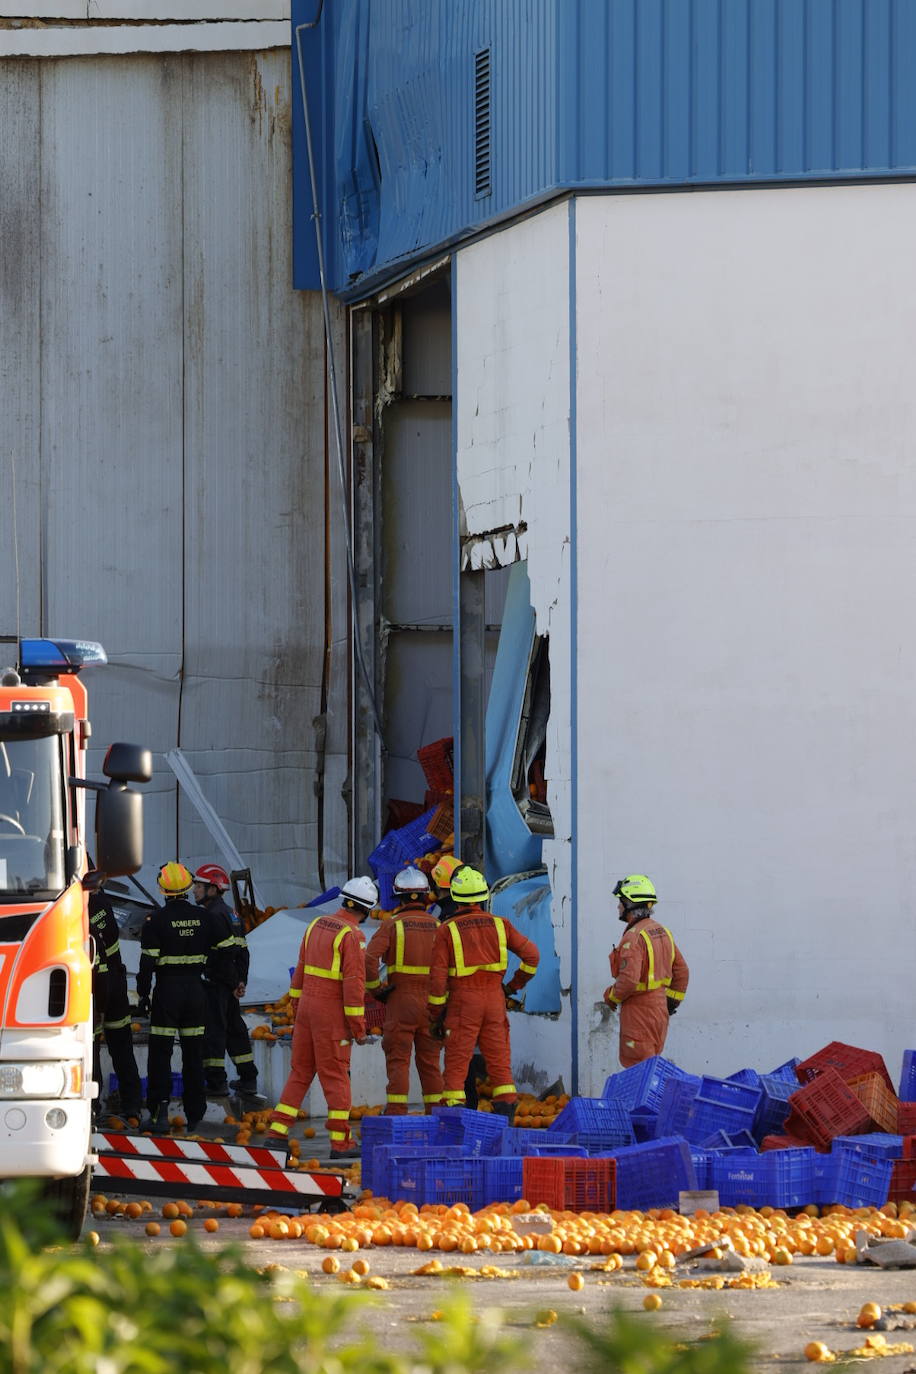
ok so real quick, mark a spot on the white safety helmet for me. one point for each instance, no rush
(361, 891)
(411, 882)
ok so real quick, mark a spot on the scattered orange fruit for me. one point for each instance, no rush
(652, 1302)
(178, 1228)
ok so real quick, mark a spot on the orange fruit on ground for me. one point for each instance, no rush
(309, 1132)
(818, 1353)
(93, 1238)
(330, 1264)
(576, 1282)
(257, 1231)
(170, 1210)
(652, 1302)
(869, 1313)
(211, 1224)
(178, 1227)
(152, 1228)
(361, 1267)
(133, 1210)
(234, 1209)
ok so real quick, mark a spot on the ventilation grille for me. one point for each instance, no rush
(57, 994)
(482, 145)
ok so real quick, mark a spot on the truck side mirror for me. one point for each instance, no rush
(128, 763)
(119, 829)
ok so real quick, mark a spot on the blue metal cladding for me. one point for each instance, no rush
(585, 95)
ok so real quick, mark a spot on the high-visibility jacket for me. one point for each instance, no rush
(473, 948)
(237, 969)
(331, 965)
(404, 945)
(647, 960)
(179, 939)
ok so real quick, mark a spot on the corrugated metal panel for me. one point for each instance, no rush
(171, 433)
(594, 93)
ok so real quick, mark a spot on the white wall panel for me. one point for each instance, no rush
(513, 425)
(169, 428)
(20, 258)
(747, 553)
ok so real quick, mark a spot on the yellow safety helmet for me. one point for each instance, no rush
(636, 890)
(174, 879)
(469, 886)
(445, 869)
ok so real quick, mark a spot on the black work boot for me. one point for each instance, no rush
(158, 1121)
(506, 1109)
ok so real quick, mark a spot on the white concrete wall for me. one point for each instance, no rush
(513, 408)
(747, 556)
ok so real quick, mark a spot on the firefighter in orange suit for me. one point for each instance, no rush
(329, 983)
(650, 973)
(466, 990)
(405, 945)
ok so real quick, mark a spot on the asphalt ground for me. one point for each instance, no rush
(817, 1299)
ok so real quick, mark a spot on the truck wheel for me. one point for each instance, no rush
(68, 1201)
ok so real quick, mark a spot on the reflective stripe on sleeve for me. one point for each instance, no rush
(438, 1001)
(354, 1011)
(675, 996)
(526, 968)
(505, 1088)
(295, 992)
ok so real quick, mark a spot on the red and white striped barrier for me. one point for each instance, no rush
(163, 1165)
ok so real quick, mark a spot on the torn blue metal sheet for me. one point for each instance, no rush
(510, 845)
(526, 902)
(440, 117)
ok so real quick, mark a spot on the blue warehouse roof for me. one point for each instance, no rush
(432, 119)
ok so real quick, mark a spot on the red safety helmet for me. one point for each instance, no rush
(214, 875)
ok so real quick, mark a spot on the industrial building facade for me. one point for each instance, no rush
(674, 244)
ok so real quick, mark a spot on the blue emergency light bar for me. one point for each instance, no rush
(59, 655)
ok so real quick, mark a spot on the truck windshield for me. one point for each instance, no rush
(31, 818)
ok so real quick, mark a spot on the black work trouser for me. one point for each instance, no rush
(119, 1038)
(226, 1034)
(179, 1007)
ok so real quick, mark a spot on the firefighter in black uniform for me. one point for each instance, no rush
(111, 1008)
(226, 1030)
(181, 944)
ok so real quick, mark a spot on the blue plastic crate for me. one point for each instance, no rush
(824, 1172)
(375, 1172)
(177, 1085)
(401, 1131)
(567, 1151)
(499, 1179)
(878, 1144)
(399, 847)
(717, 1141)
(786, 1070)
(774, 1104)
(113, 1085)
(441, 1179)
(517, 1140)
(481, 1133)
(792, 1177)
(700, 1159)
(653, 1174)
(645, 1123)
(750, 1077)
(716, 1104)
(596, 1122)
(861, 1180)
(643, 1084)
(907, 1090)
(742, 1178)
(676, 1093)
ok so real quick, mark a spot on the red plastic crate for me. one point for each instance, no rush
(442, 823)
(903, 1181)
(906, 1118)
(828, 1107)
(570, 1185)
(375, 1014)
(848, 1060)
(880, 1104)
(782, 1142)
(436, 761)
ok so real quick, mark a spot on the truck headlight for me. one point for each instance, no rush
(41, 1079)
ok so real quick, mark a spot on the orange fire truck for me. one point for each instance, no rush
(46, 1086)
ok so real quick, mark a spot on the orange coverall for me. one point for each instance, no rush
(469, 958)
(330, 983)
(405, 945)
(648, 968)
